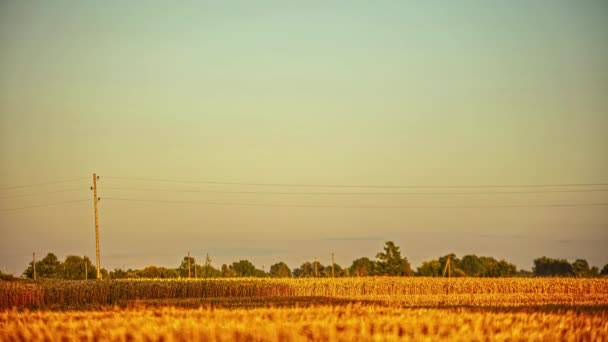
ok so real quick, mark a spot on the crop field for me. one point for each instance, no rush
(347, 309)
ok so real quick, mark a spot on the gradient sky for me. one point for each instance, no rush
(390, 93)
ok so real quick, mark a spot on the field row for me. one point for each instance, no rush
(407, 291)
(327, 323)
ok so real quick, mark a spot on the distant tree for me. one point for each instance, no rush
(473, 266)
(391, 263)
(604, 270)
(305, 270)
(430, 269)
(183, 267)
(245, 268)
(338, 271)
(227, 271)
(362, 267)
(280, 270)
(549, 267)
(6, 276)
(49, 267)
(581, 268)
(207, 271)
(74, 268)
(455, 265)
(119, 273)
(502, 269)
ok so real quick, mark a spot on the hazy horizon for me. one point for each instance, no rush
(390, 93)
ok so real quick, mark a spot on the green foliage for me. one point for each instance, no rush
(280, 270)
(363, 267)
(430, 269)
(6, 276)
(391, 263)
(604, 270)
(75, 267)
(549, 267)
(304, 271)
(245, 268)
(47, 268)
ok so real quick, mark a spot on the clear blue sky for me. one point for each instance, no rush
(389, 92)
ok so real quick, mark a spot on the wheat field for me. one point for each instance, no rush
(351, 309)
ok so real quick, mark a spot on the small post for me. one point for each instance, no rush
(188, 264)
(332, 265)
(34, 265)
(316, 267)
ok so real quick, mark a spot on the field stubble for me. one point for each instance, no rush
(307, 309)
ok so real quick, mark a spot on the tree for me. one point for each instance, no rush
(549, 267)
(472, 266)
(245, 268)
(455, 265)
(430, 269)
(338, 271)
(280, 270)
(362, 267)
(306, 270)
(581, 268)
(391, 263)
(183, 267)
(74, 267)
(227, 271)
(604, 270)
(49, 267)
(207, 271)
(6, 276)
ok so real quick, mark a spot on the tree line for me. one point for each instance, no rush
(388, 262)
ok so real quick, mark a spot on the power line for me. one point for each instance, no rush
(44, 205)
(40, 184)
(40, 193)
(359, 186)
(354, 193)
(358, 206)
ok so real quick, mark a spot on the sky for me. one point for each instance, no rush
(388, 93)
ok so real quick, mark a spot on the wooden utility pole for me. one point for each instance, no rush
(448, 267)
(194, 264)
(34, 265)
(95, 200)
(86, 268)
(188, 264)
(332, 265)
(316, 267)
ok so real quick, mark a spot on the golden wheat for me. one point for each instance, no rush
(331, 323)
(408, 291)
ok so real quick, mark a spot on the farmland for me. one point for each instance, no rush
(307, 309)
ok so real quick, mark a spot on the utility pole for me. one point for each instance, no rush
(34, 265)
(86, 268)
(332, 265)
(448, 267)
(316, 267)
(188, 264)
(194, 264)
(95, 200)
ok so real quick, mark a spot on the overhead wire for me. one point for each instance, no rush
(350, 193)
(44, 205)
(41, 193)
(361, 185)
(355, 206)
(42, 184)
